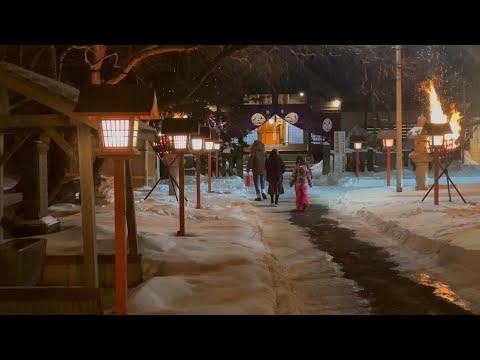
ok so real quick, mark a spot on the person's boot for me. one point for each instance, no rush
(264, 195)
(258, 198)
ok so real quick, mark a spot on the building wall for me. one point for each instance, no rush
(357, 118)
(475, 145)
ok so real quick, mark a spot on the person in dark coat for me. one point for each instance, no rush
(275, 168)
(256, 163)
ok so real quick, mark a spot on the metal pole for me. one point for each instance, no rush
(120, 243)
(209, 172)
(199, 205)
(399, 119)
(436, 170)
(388, 167)
(181, 197)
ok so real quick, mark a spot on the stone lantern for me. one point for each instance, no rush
(420, 155)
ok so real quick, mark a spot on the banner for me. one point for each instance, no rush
(249, 117)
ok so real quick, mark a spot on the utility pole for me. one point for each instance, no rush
(399, 119)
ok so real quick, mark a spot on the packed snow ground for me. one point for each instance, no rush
(239, 257)
(435, 245)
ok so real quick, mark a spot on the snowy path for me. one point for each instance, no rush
(244, 257)
(431, 245)
(306, 281)
(239, 256)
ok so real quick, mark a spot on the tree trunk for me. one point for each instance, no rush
(99, 52)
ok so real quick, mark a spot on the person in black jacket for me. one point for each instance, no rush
(256, 163)
(275, 168)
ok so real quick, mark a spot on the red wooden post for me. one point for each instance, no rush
(181, 196)
(199, 205)
(120, 243)
(388, 167)
(209, 172)
(435, 177)
(357, 163)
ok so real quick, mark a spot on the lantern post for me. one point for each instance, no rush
(118, 109)
(180, 134)
(197, 147)
(357, 141)
(209, 144)
(216, 147)
(388, 140)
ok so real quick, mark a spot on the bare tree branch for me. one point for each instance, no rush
(142, 54)
(229, 50)
(78, 47)
(85, 58)
(106, 57)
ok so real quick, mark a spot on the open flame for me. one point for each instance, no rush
(438, 117)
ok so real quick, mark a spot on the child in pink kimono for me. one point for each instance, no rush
(302, 179)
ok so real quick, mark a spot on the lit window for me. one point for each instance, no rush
(180, 142)
(197, 144)
(295, 134)
(115, 133)
(135, 133)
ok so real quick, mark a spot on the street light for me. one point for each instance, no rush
(388, 139)
(357, 141)
(336, 103)
(436, 145)
(117, 109)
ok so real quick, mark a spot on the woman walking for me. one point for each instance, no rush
(275, 169)
(256, 163)
(302, 179)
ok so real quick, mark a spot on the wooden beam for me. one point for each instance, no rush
(88, 206)
(58, 138)
(17, 145)
(130, 210)
(49, 92)
(3, 111)
(22, 121)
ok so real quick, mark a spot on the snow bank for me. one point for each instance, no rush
(219, 267)
(440, 241)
